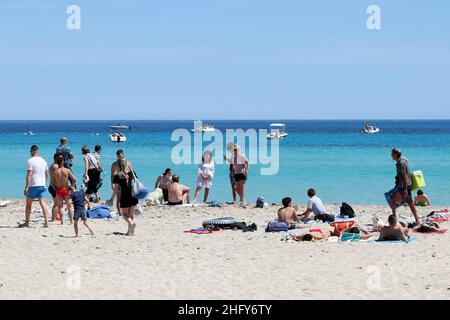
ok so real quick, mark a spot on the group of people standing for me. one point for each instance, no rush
(175, 193)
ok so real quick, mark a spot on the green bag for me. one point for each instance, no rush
(418, 180)
(347, 236)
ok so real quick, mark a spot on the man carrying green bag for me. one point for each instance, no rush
(403, 182)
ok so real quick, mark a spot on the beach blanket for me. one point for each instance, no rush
(184, 205)
(199, 231)
(99, 212)
(411, 239)
(438, 216)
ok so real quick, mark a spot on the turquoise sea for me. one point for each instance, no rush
(334, 157)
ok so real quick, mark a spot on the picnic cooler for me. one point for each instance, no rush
(417, 179)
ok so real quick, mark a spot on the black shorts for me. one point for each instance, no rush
(175, 203)
(165, 194)
(52, 191)
(79, 214)
(240, 177)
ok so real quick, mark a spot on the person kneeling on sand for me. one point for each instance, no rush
(394, 231)
(178, 193)
(289, 214)
(78, 201)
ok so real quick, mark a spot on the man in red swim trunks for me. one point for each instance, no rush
(60, 182)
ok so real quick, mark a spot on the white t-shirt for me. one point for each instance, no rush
(38, 166)
(316, 205)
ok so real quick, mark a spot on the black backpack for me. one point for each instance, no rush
(346, 210)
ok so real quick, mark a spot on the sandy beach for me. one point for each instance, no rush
(163, 262)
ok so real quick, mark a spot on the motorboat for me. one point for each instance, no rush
(277, 131)
(29, 133)
(370, 129)
(120, 127)
(95, 134)
(116, 136)
(204, 128)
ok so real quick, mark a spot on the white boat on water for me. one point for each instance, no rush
(277, 131)
(29, 133)
(120, 127)
(370, 129)
(204, 128)
(116, 136)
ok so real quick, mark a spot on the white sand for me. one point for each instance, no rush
(162, 262)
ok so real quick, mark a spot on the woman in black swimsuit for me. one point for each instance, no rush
(122, 180)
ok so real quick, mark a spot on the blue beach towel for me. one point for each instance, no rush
(395, 241)
(99, 212)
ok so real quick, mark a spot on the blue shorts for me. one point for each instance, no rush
(79, 214)
(36, 192)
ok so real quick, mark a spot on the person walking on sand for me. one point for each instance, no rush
(36, 179)
(116, 195)
(79, 200)
(241, 165)
(60, 182)
(91, 173)
(403, 182)
(123, 179)
(205, 175)
(66, 153)
(164, 181)
(51, 190)
(178, 193)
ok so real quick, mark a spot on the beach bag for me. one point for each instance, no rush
(340, 226)
(350, 237)
(346, 210)
(136, 186)
(324, 217)
(418, 180)
(277, 226)
(260, 202)
(396, 196)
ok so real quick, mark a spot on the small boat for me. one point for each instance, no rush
(370, 129)
(204, 128)
(120, 127)
(277, 131)
(95, 134)
(29, 133)
(116, 136)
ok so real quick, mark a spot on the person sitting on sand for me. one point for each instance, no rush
(421, 199)
(164, 181)
(60, 182)
(289, 214)
(394, 231)
(315, 208)
(178, 193)
(316, 234)
(79, 200)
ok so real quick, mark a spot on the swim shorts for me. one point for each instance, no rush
(80, 214)
(62, 192)
(36, 192)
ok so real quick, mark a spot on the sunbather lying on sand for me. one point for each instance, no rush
(316, 234)
(395, 231)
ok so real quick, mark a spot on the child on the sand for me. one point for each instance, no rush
(79, 200)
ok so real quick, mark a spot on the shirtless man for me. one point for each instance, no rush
(60, 182)
(394, 231)
(288, 214)
(178, 193)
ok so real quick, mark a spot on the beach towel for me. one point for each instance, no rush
(99, 212)
(350, 237)
(411, 239)
(396, 194)
(199, 231)
(438, 216)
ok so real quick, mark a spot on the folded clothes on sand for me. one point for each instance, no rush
(199, 231)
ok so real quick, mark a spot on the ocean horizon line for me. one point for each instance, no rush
(227, 120)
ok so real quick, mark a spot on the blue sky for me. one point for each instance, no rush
(224, 59)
